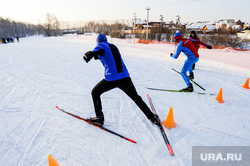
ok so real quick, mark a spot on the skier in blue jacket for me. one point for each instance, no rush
(188, 48)
(116, 76)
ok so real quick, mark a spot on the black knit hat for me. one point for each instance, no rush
(193, 32)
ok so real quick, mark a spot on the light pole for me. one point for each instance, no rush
(134, 25)
(147, 8)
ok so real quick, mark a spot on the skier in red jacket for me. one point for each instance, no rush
(193, 35)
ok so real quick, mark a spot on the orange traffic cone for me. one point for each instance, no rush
(52, 161)
(219, 96)
(246, 85)
(169, 122)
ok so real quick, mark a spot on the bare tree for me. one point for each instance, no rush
(48, 24)
(52, 25)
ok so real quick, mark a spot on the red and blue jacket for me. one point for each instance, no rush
(187, 46)
(197, 46)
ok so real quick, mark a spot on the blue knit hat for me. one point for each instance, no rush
(101, 37)
(177, 36)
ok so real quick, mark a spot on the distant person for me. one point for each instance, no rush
(193, 35)
(4, 40)
(116, 76)
(17, 39)
(12, 39)
(187, 46)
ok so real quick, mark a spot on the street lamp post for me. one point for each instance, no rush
(147, 8)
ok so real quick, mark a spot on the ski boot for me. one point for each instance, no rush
(156, 120)
(97, 120)
(193, 67)
(188, 89)
(191, 76)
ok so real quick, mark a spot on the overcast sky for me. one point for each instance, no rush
(33, 11)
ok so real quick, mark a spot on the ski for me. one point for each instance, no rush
(191, 80)
(161, 128)
(100, 127)
(170, 90)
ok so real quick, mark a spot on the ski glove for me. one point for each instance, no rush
(209, 47)
(171, 55)
(88, 56)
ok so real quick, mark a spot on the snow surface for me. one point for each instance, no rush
(39, 73)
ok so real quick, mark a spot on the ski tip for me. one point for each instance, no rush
(57, 107)
(130, 140)
(147, 95)
(170, 150)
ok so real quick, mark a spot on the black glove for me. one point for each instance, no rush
(209, 47)
(171, 55)
(88, 56)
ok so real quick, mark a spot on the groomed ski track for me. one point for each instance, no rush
(39, 73)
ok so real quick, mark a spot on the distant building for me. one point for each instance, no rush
(238, 28)
(192, 26)
(247, 30)
(208, 28)
(140, 26)
(169, 24)
(239, 22)
(225, 23)
(73, 31)
(244, 34)
(205, 26)
(246, 25)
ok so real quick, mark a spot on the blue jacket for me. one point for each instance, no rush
(111, 59)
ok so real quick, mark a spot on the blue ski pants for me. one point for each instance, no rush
(188, 67)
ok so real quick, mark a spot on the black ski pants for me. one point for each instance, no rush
(127, 86)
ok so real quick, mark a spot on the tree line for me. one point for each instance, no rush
(11, 28)
(53, 27)
(114, 29)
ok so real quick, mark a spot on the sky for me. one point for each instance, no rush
(34, 11)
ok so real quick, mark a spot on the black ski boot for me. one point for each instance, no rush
(97, 120)
(156, 120)
(193, 67)
(188, 89)
(191, 76)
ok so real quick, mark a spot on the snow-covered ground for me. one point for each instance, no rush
(39, 73)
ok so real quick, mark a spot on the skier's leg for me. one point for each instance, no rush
(188, 67)
(100, 88)
(193, 61)
(128, 87)
(184, 70)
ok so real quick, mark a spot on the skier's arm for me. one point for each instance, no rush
(90, 54)
(98, 50)
(178, 51)
(200, 42)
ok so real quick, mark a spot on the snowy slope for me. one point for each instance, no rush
(39, 73)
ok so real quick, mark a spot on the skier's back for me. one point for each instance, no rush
(116, 76)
